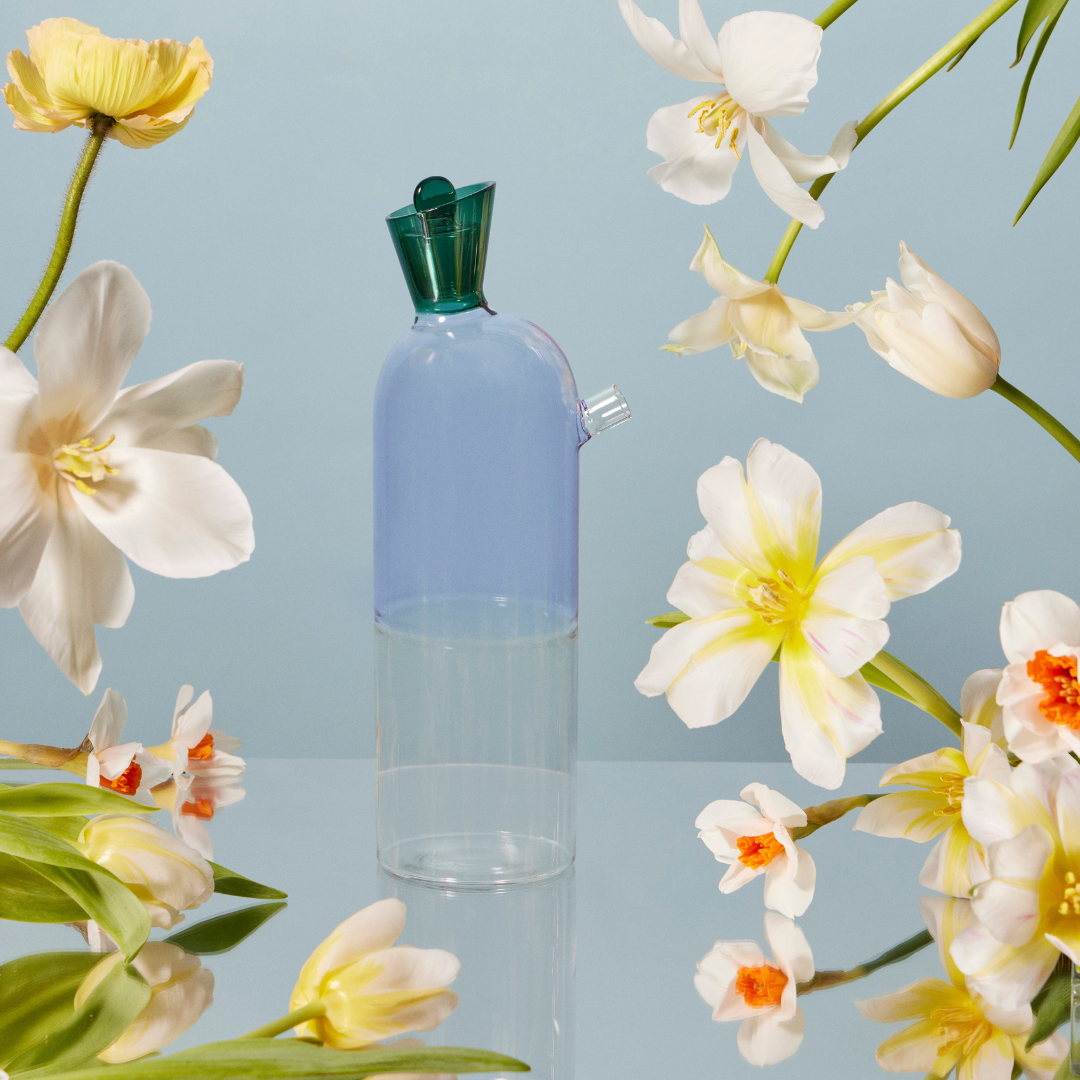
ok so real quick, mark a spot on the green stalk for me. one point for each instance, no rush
(65, 234)
(310, 1011)
(947, 52)
(833, 12)
(1038, 414)
(822, 980)
(833, 810)
(918, 690)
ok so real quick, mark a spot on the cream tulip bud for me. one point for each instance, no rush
(181, 990)
(930, 332)
(164, 873)
(369, 990)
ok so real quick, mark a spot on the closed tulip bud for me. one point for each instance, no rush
(930, 332)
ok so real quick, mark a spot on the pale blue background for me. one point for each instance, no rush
(258, 233)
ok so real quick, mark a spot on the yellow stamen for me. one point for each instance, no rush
(82, 461)
(734, 148)
(777, 599)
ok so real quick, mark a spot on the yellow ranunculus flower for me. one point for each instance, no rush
(74, 74)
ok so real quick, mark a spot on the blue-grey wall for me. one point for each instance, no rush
(258, 233)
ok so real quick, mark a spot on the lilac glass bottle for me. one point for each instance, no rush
(477, 430)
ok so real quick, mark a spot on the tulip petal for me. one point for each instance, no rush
(177, 515)
(784, 498)
(406, 968)
(782, 375)
(806, 167)
(978, 701)
(769, 61)
(699, 592)
(955, 864)
(764, 323)
(1008, 904)
(777, 183)
(694, 168)
(707, 330)
(721, 275)
(1038, 620)
(655, 38)
(370, 930)
(911, 815)
(27, 519)
(15, 377)
(1042, 1060)
(695, 35)
(1007, 976)
(85, 343)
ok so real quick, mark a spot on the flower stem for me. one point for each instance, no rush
(833, 12)
(822, 980)
(947, 52)
(65, 234)
(309, 1011)
(918, 690)
(834, 810)
(1039, 415)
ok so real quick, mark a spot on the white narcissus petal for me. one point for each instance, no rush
(1038, 620)
(707, 330)
(194, 722)
(723, 813)
(791, 379)
(693, 169)
(655, 38)
(109, 720)
(768, 1039)
(715, 978)
(82, 580)
(769, 60)
(113, 761)
(789, 947)
(777, 183)
(912, 544)
(86, 341)
(172, 514)
(774, 806)
(789, 883)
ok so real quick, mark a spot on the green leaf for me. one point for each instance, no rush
(105, 900)
(233, 884)
(961, 54)
(36, 994)
(1063, 144)
(25, 896)
(64, 800)
(672, 618)
(112, 1006)
(270, 1059)
(1036, 56)
(15, 763)
(1034, 14)
(1064, 1070)
(879, 679)
(28, 840)
(224, 932)
(1051, 1007)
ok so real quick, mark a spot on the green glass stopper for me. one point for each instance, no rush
(441, 240)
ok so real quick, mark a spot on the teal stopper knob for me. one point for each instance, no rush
(441, 240)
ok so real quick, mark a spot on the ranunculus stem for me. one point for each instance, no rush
(918, 690)
(833, 810)
(951, 49)
(309, 1011)
(822, 980)
(1039, 415)
(65, 234)
(833, 12)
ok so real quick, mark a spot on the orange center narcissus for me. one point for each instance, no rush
(202, 749)
(1057, 676)
(760, 986)
(757, 851)
(199, 808)
(127, 783)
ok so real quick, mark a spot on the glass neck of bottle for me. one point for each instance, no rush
(456, 318)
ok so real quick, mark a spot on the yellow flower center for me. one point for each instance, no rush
(715, 116)
(952, 788)
(82, 461)
(963, 1030)
(777, 599)
(1070, 896)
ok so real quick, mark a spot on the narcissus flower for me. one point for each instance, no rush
(193, 746)
(163, 872)
(181, 990)
(754, 837)
(1028, 911)
(1039, 692)
(740, 984)
(931, 333)
(127, 767)
(955, 1028)
(766, 62)
(91, 473)
(933, 809)
(370, 988)
(760, 322)
(75, 74)
(195, 799)
(753, 586)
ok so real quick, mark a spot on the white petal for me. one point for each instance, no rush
(774, 806)
(27, 517)
(787, 493)
(789, 884)
(765, 324)
(194, 439)
(777, 183)
(812, 317)
(825, 719)
(695, 35)
(910, 815)
(1038, 620)
(911, 543)
(655, 38)
(723, 812)
(172, 514)
(954, 865)
(722, 498)
(789, 947)
(791, 379)
(803, 168)
(83, 579)
(370, 930)
(407, 968)
(722, 276)
(1008, 904)
(113, 761)
(767, 1039)
(1007, 976)
(978, 700)
(694, 169)
(1030, 735)
(109, 721)
(86, 341)
(769, 61)
(704, 331)
(843, 620)
(699, 592)
(193, 724)
(15, 377)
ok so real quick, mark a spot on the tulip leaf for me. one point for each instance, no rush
(36, 994)
(878, 678)
(1063, 144)
(1036, 12)
(105, 900)
(1036, 56)
(111, 1007)
(233, 884)
(224, 932)
(28, 840)
(64, 800)
(25, 896)
(1051, 1006)
(270, 1059)
(18, 763)
(672, 618)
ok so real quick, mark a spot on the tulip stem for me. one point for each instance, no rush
(918, 690)
(822, 980)
(1039, 415)
(65, 234)
(833, 12)
(310, 1011)
(949, 51)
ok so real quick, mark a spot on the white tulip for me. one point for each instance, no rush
(766, 62)
(931, 333)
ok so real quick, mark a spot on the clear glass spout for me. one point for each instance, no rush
(602, 411)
